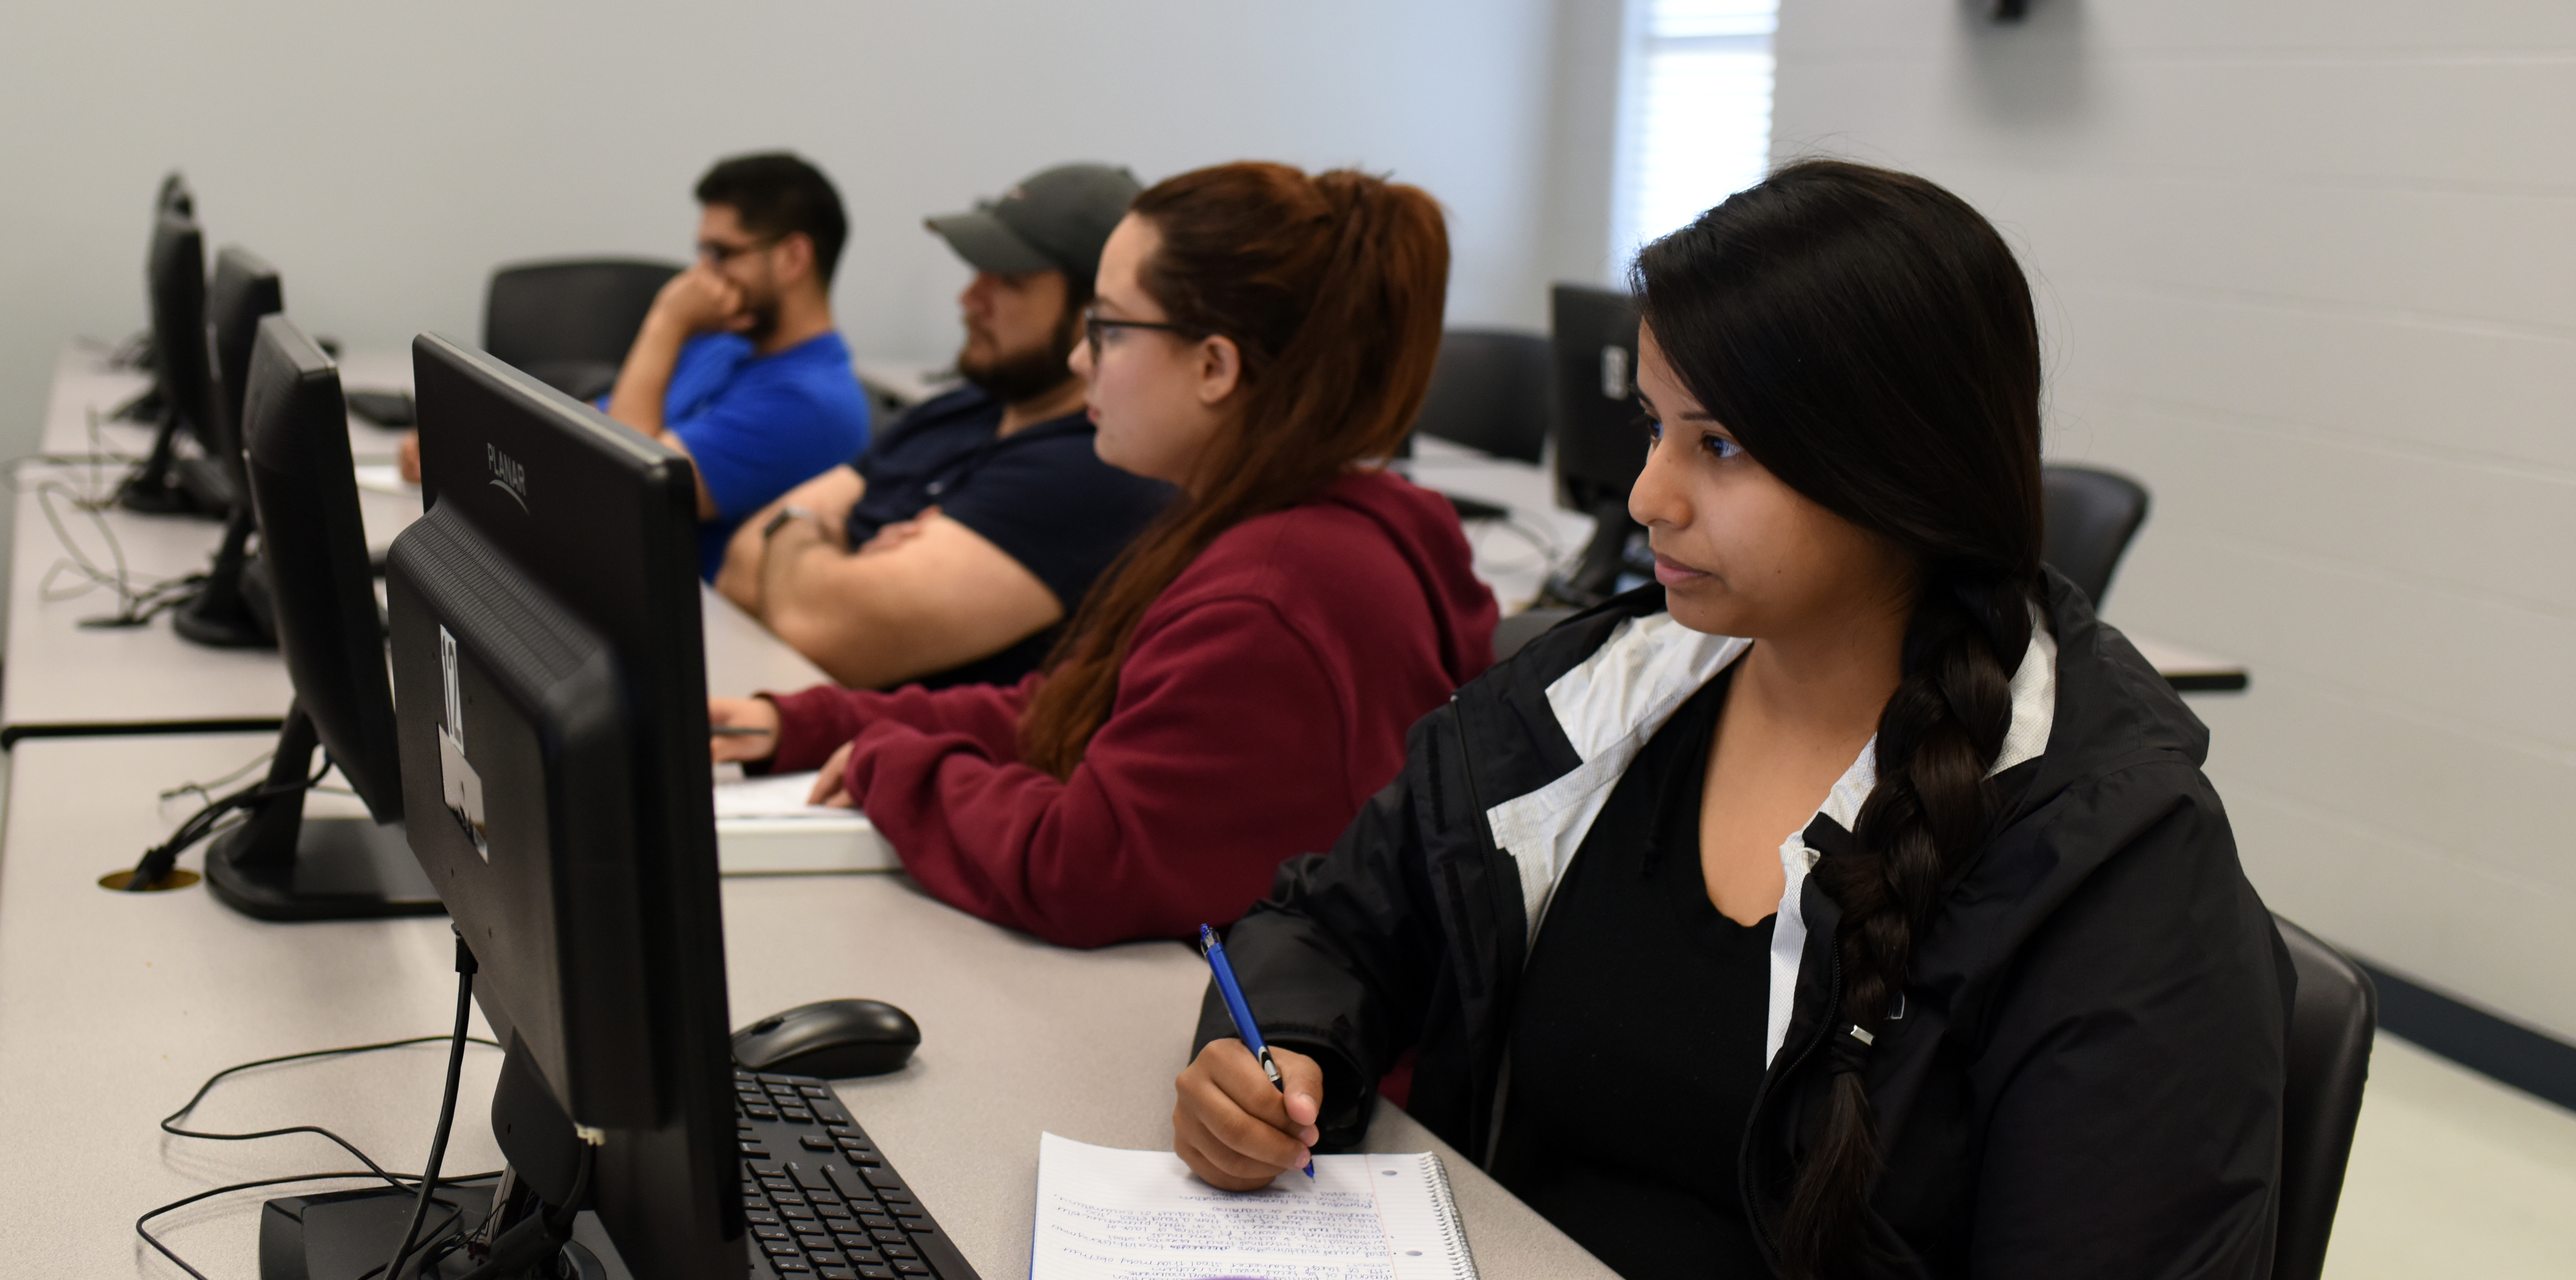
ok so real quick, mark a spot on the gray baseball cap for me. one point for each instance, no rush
(1054, 220)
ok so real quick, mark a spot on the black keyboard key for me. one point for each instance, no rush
(796, 1115)
(790, 1266)
(885, 1181)
(780, 1248)
(761, 1113)
(912, 1267)
(828, 1111)
(811, 1243)
(825, 1258)
(766, 1078)
(849, 1184)
(900, 1251)
(768, 1231)
(766, 1168)
(754, 1151)
(808, 1176)
(796, 1211)
(848, 1131)
(838, 1273)
(876, 1220)
(886, 1235)
(812, 1142)
(760, 1217)
(835, 1209)
(876, 1273)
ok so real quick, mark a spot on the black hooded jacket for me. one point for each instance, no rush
(2086, 1077)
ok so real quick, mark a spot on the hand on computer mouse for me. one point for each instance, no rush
(756, 722)
(1234, 1128)
(829, 788)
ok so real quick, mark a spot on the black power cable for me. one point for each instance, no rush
(205, 822)
(446, 1110)
(170, 1125)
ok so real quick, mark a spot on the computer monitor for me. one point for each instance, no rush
(245, 290)
(1600, 433)
(175, 279)
(175, 196)
(550, 701)
(280, 863)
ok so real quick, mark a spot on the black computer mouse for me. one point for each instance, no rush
(834, 1039)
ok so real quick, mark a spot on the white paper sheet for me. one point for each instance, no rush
(777, 795)
(1108, 1214)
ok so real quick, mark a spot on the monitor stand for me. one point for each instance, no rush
(168, 484)
(219, 616)
(280, 865)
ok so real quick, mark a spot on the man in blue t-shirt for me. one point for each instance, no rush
(952, 551)
(738, 364)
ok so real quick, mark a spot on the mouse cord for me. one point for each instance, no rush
(170, 1125)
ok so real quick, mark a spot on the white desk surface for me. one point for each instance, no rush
(60, 675)
(114, 1007)
(86, 384)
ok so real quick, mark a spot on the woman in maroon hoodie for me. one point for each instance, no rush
(1241, 680)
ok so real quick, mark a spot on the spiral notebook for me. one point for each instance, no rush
(1108, 1214)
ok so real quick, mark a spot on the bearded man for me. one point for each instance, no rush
(953, 550)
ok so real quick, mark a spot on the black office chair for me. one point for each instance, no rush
(1489, 392)
(2330, 1032)
(1527, 625)
(2092, 514)
(568, 323)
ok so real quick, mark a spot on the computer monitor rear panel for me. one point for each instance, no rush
(1600, 431)
(245, 289)
(544, 498)
(176, 284)
(303, 485)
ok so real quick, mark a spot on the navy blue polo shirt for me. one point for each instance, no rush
(1041, 494)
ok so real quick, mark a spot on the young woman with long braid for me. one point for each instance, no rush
(1850, 902)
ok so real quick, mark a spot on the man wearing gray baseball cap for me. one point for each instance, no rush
(952, 551)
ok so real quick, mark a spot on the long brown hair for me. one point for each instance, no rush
(1332, 286)
(1870, 340)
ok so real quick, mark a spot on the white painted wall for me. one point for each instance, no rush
(386, 157)
(2308, 269)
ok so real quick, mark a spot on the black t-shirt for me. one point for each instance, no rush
(1638, 1034)
(1041, 495)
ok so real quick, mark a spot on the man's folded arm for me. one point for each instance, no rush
(936, 600)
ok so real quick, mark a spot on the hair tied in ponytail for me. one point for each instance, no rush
(1848, 1053)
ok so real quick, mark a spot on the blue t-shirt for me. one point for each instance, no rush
(758, 426)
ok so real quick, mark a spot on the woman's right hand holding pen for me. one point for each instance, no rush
(748, 728)
(1236, 1130)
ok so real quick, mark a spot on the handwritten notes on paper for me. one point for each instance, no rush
(1107, 1214)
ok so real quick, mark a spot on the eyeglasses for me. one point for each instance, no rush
(1093, 324)
(716, 255)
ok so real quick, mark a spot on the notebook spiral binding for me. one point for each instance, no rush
(1452, 1229)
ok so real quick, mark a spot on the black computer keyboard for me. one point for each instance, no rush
(823, 1203)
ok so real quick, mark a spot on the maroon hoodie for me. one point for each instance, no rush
(1265, 698)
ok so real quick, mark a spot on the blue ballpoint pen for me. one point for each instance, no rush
(1236, 1009)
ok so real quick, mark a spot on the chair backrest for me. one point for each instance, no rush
(569, 322)
(1489, 392)
(2331, 1026)
(2092, 514)
(1527, 625)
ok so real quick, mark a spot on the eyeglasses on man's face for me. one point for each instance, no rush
(1095, 324)
(716, 254)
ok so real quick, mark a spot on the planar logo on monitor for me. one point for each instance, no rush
(507, 475)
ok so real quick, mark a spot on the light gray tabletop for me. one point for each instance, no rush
(114, 1007)
(88, 387)
(61, 677)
